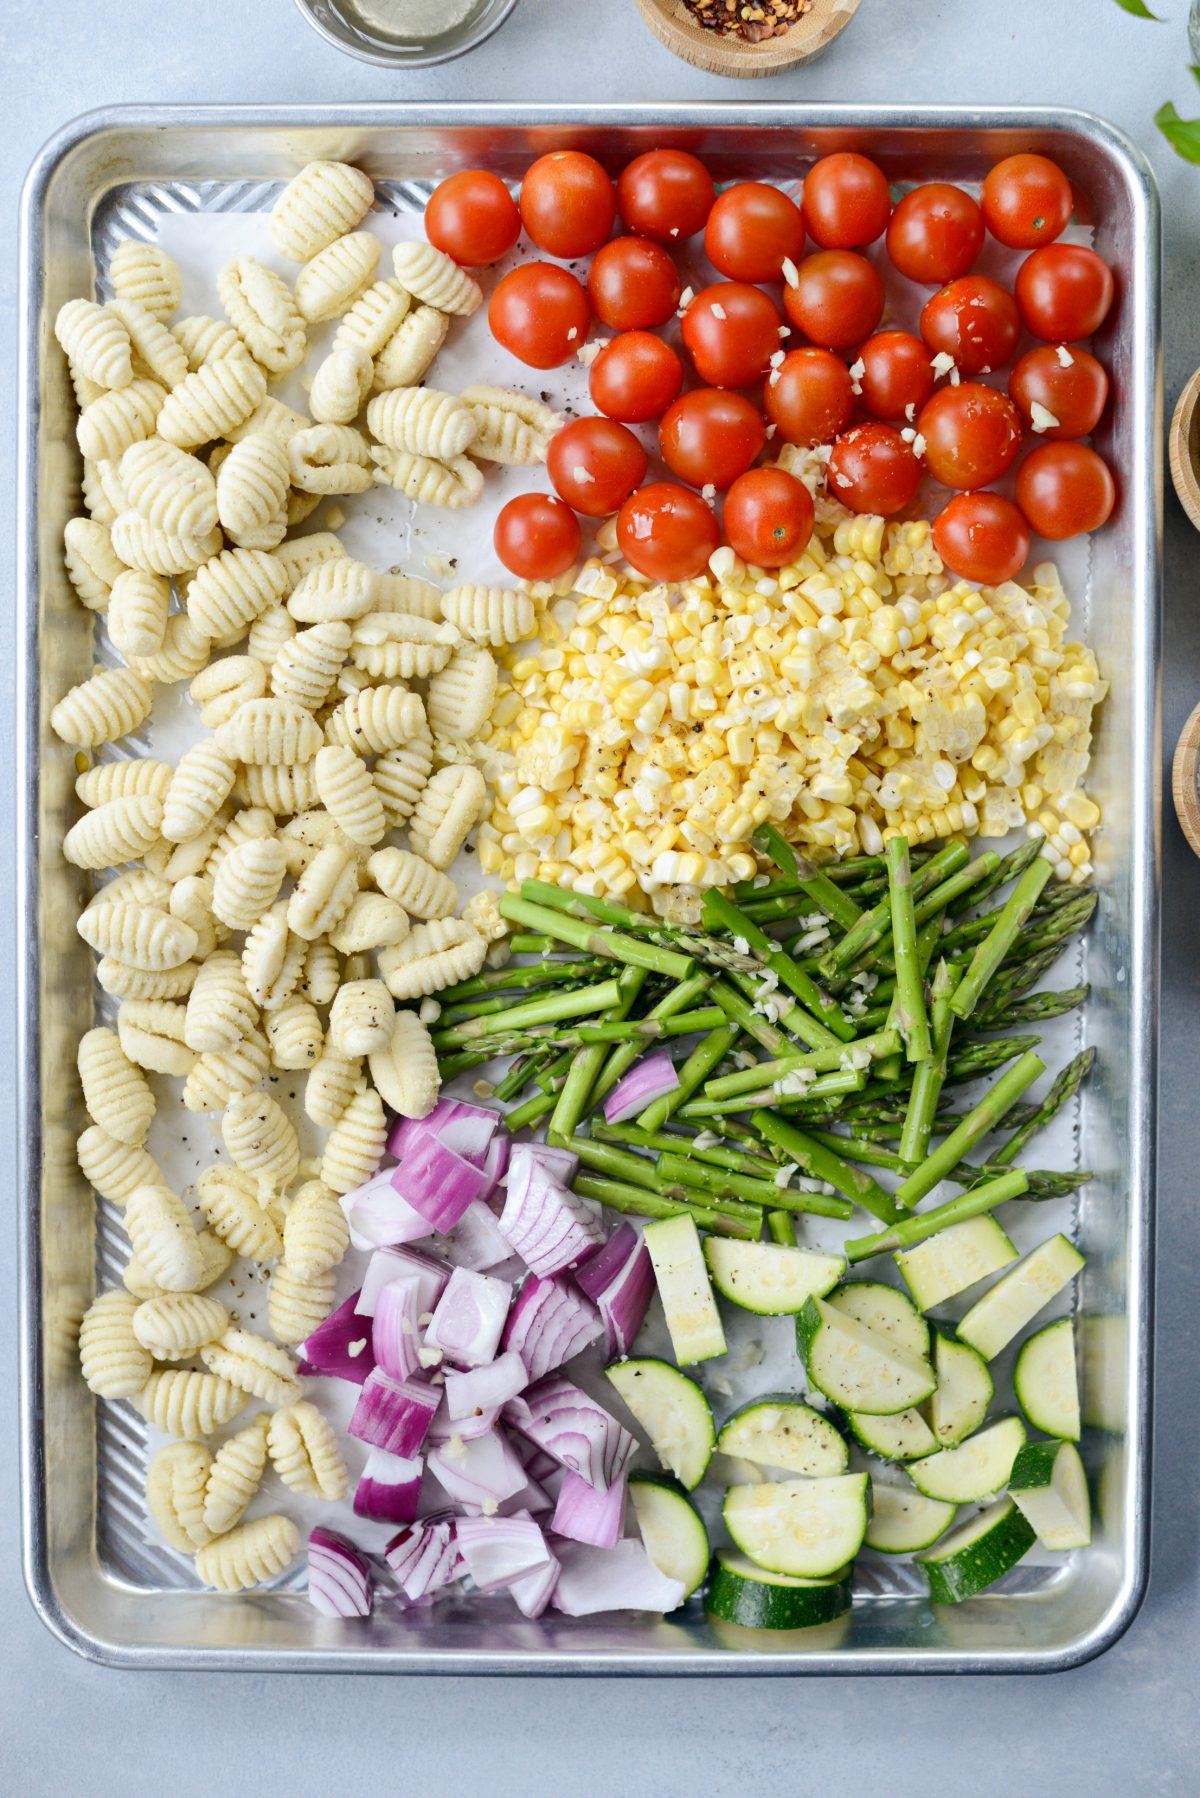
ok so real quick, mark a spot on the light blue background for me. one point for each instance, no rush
(1127, 1723)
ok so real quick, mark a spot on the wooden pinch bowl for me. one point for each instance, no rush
(1183, 448)
(676, 27)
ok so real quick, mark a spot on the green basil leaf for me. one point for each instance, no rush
(1183, 135)
(1139, 9)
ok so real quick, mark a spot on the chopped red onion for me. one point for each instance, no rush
(425, 1558)
(619, 1278)
(501, 1550)
(533, 1592)
(469, 1317)
(339, 1578)
(481, 1472)
(378, 1215)
(586, 1515)
(495, 1162)
(397, 1264)
(440, 1123)
(477, 1423)
(340, 1347)
(547, 1225)
(561, 1164)
(571, 1426)
(647, 1080)
(477, 1241)
(394, 1414)
(550, 1323)
(395, 1332)
(437, 1182)
(622, 1578)
(389, 1488)
(482, 1387)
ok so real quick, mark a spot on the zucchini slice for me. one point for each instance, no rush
(739, 1592)
(976, 1469)
(672, 1410)
(954, 1259)
(767, 1277)
(672, 1531)
(857, 1368)
(779, 1431)
(682, 1279)
(1049, 1484)
(1015, 1300)
(885, 1310)
(903, 1521)
(977, 1554)
(965, 1389)
(904, 1437)
(1047, 1382)
(807, 1528)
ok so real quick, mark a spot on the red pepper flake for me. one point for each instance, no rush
(754, 20)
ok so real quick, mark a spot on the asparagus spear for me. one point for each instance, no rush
(768, 1193)
(817, 886)
(821, 1163)
(695, 1070)
(662, 1141)
(793, 1018)
(622, 1058)
(1000, 939)
(1035, 1008)
(551, 1008)
(909, 1230)
(981, 1119)
(577, 1088)
(524, 1117)
(584, 936)
(720, 912)
(1065, 1086)
(874, 925)
(637, 1201)
(499, 980)
(1043, 1183)
(781, 1229)
(845, 1080)
(929, 1075)
(909, 1002)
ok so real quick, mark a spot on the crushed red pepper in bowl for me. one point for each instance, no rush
(754, 20)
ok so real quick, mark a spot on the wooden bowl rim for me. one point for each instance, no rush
(1185, 765)
(1183, 445)
(673, 26)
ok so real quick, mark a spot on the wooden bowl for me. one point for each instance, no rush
(1183, 449)
(1185, 789)
(676, 27)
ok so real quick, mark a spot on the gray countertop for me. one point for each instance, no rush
(1129, 1720)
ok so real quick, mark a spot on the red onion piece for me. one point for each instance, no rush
(395, 1332)
(550, 1323)
(476, 1241)
(478, 1472)
(647, 1080)
(339, 1578)
(425, 1558)
(619, 1278)
(468, 1131)
(571, 1426)
(622, 1578)
(469, 1317)
(501, 1550)
(340, 1347)
(533, 1592)
(394, 1414)
(440, 1122)
(495, 1162)
(389, 1488)
(547, 1225)
(398, 1264)
(445, 1428)
(480, 1388)
(379, 1216)
(561, 1164)
(436, 1182)
(586, 1515)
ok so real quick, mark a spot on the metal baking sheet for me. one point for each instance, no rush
(190, 176)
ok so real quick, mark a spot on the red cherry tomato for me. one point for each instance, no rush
(540, 314)
(710, 437)
(837, 299)
(1064, 292)
(973, 320)
(731, 331)
(809, 398)
(1069, 386)
(971, 435)
(751, 230)
(666, 195)
(896, 378)
(635, 377)
(1026, 201)
(472, 217)
(633, 283)
(981, 536)
(846, 201)
(537, 537)
(594, 464)
(872, 469)
(567, 203)
(768, 517)
(1065, 489)
(667, 532)
(935, 233)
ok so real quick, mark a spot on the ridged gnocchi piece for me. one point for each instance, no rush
(320, 204)
(247, 884)
(452, 802)
(120, 417)
(272, 958)
(423, 421)
(121, 982)
(307, 666)
(270, 731)
(294, 1033)
(213, 400)
(177, 1324)
(280, 789)
(143, 272)
(340, 385)
(305, 833)
(137, 612)
(205, 339)
(115, 1092)
(376, 720)
(349, 795)
(191, 903)
(372, 922)
(270, 418)
(96, 342)
(330, 1086)
(252, 490)
(323, 893)
(155, 351)
(113, 1361)
(305, 1454)
(191, 857)
(330, 459)
(96, 499)
(203, 780)
(164, 1238)
(315, 1233)
(404, 1071)
(142, 936)
(117, 831)
(110, 703)
(175, 1486)
(188, 1403)
(460, 697)
(271, 631)
(230, 1202)
(296, 1306)
(136, 774)
(374, 317)
(248, 1555)
(152, 1035)
(219, 1011)
(333, 279)
(115, 1169)
(396, 592)
(424, 891)
(337, 588)
(136, 1280)
(184, 652)
(254, 1365)
(451, 485)
(234, 1476)
(432, 277)
(432, 956)
(223, 686)
(142, 545)
(410, 348)
(514, 428)
(231, 590)
(490, 615)
(260, 306)
(220, 1075)
(261, 1140)
(354, 1147)
(400, 776)
(400, 646)
(253, 823)
(360, 1018)
(322, 973)
(93, 565)
(139, 886)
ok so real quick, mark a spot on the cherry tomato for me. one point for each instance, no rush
(837, 299)
(666, 195)
(633, 283)
(567, 203)
(981, 536)
(872, 469)
(973, 320)
(768, 517)
(1065, 489)
(472, 217)
(710, 437)
(667, 532)
(896, 377)
(1026, 201)
(635, 377)
(846, 201)
(751, 230)
(731, 331)
(1069, 386)
(537, 536)
(971, 434)
(809, 398)
(540, 314)
(1064, 292)
(935, 233)
(594, 464)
